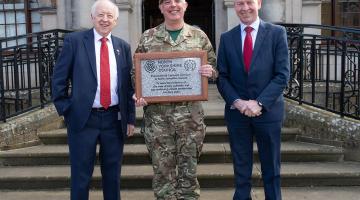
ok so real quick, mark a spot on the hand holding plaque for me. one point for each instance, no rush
(170, 76)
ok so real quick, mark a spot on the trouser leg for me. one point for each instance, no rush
(160, 140)
(241, 144)
(111, 151)
(82, 147)
(190, 134)
(268, 137)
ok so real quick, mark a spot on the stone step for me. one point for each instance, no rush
(213, 134)
(126, 194)
(138, 154)
(209, 175)
(213, 112)
(212, 119)
(314, 193)
(288, 193)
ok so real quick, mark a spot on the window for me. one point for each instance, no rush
(18, 17)
(349, 13)
(341, 13)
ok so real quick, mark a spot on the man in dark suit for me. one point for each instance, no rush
(99, 108)
(253, 69)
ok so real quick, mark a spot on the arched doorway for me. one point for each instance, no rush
(199, 13)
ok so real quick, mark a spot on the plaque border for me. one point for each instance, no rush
(138, 57)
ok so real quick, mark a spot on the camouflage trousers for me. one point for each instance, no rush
(174, 135)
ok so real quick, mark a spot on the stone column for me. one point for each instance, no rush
(232, 18)
(122, 29)
(311, 14)
(61, 14)
(81, 14)
(305, 11)
(293, 11)
(73, 14)
(135, 19)
(221, 20)
(48, 17)
(273, 10)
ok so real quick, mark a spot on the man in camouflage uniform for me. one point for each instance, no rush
(174, 132)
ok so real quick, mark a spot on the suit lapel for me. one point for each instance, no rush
(236, 39)
(90, 49)
(117, 52)
(258, 42)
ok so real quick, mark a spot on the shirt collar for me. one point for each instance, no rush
(97, 36)
(162, 32)
(255, 25)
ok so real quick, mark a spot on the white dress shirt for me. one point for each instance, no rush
(255, 26)
(113, 70)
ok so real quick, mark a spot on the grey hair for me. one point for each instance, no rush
(94, 6)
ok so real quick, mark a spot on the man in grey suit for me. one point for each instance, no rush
(253, 64)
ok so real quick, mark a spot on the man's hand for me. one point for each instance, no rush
(139, 102)
(206, 70)
(240, 105)
(130, 130)
(253, 108)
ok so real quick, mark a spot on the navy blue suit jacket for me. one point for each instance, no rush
(268, 75)
(77, 64)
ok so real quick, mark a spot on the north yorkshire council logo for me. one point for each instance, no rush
(150, 66)
(190, 65)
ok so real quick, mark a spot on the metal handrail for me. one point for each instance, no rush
(324, 68)
(26, 71)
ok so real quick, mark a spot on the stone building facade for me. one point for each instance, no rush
(71, 14)
(213, 16)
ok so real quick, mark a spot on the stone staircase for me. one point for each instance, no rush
(309, 171)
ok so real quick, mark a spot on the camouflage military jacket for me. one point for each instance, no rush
(190, 38)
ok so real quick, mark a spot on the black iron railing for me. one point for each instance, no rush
(325, 69)
(26, 64)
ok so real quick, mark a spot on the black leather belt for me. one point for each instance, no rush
(114, 108)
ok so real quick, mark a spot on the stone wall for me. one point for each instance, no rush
(317, 126)
(323, 127)
(21, 131)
